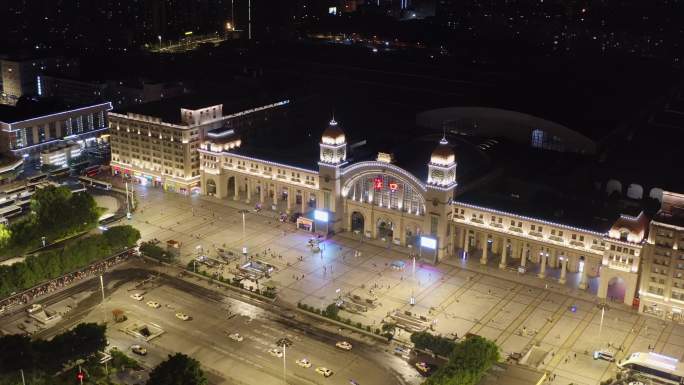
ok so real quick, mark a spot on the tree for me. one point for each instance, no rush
(5, 236)
(468, 362)
(16, 353)
(389, 329)
(154, 251)
(332, 310)
(178, 369)
(439, 345)
(120, 237)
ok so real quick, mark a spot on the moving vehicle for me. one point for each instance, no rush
(304, 363)
(182, 316)
(95, 183)
(276, 353)
(153, 304)
(344, 345)
(236, 337)
(34, 308)
(655, 366)
(324, 371)
(422, 367)
(137, 296)
(139, 350)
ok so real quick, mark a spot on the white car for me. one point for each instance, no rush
(236, 337)
(34, 308)
(304, 363)
(324, 371)
(344, 345)
(182, 316)
(137, 296)
(153, 304)
(605, 355)
(275, 353)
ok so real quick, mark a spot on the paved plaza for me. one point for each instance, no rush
(457, 296)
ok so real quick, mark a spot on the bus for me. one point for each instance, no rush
(663, 369)
(37, 178)
(95, 183)
(92, 171)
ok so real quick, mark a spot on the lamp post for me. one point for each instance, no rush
(160, 39)
(244, 233)
(284, 343)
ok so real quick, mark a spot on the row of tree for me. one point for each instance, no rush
(76, 254)
(19, 352)
(41, 359)
(55, 213)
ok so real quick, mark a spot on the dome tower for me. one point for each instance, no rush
(442, 166)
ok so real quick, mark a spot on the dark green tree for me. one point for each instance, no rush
(332, 310)
(16, 353)
(178, 369)
(122, 237)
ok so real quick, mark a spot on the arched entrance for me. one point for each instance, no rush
(385, 229)
(357, 221)
(231, 185)
(616, 289)
(211, 187)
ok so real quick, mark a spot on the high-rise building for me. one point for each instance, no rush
(158, 142)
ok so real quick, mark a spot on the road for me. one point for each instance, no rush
(205, 336)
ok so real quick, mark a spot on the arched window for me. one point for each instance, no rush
(387, 191)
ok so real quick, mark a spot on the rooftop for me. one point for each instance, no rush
(168, 110)
(13, 114)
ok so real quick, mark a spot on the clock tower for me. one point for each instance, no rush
(333, 156)
(441, 183)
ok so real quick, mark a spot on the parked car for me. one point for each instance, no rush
(604, 355)
(236, 337)
(276, 353)
(34, 308)
(137, 296)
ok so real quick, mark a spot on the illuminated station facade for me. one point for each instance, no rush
(424, 209)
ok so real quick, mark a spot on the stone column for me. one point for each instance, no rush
(464, 239)
(523, 257)
(483, 257)
(262, 193)
(289, 200)
(237, 188)
(504, 252)
(542, 270)
(249, 191)
(303, 202)
(564, 268)
(584, 281)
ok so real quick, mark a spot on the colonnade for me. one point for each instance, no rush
(271, 191)
(511, 247)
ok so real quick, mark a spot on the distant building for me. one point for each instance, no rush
(60, 155)
(26, 132)
(21, 76)
(158, 142)
(662, 279)
(75, 91)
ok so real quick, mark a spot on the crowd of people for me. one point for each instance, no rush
(61, 282)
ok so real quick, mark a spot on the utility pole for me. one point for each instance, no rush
(249, 19)
(23, 381)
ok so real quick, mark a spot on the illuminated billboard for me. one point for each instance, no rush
(321, 215)
(428, 243)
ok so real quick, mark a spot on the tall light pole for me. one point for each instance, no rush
(159, 37)
(249, 19)
(284, 343)
(244, 233)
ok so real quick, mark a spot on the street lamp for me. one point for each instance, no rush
(159, 37)
(244, 233)
(284, 343)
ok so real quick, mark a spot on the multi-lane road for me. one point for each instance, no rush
(216, 314)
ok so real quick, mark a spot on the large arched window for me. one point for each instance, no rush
(387, 191)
